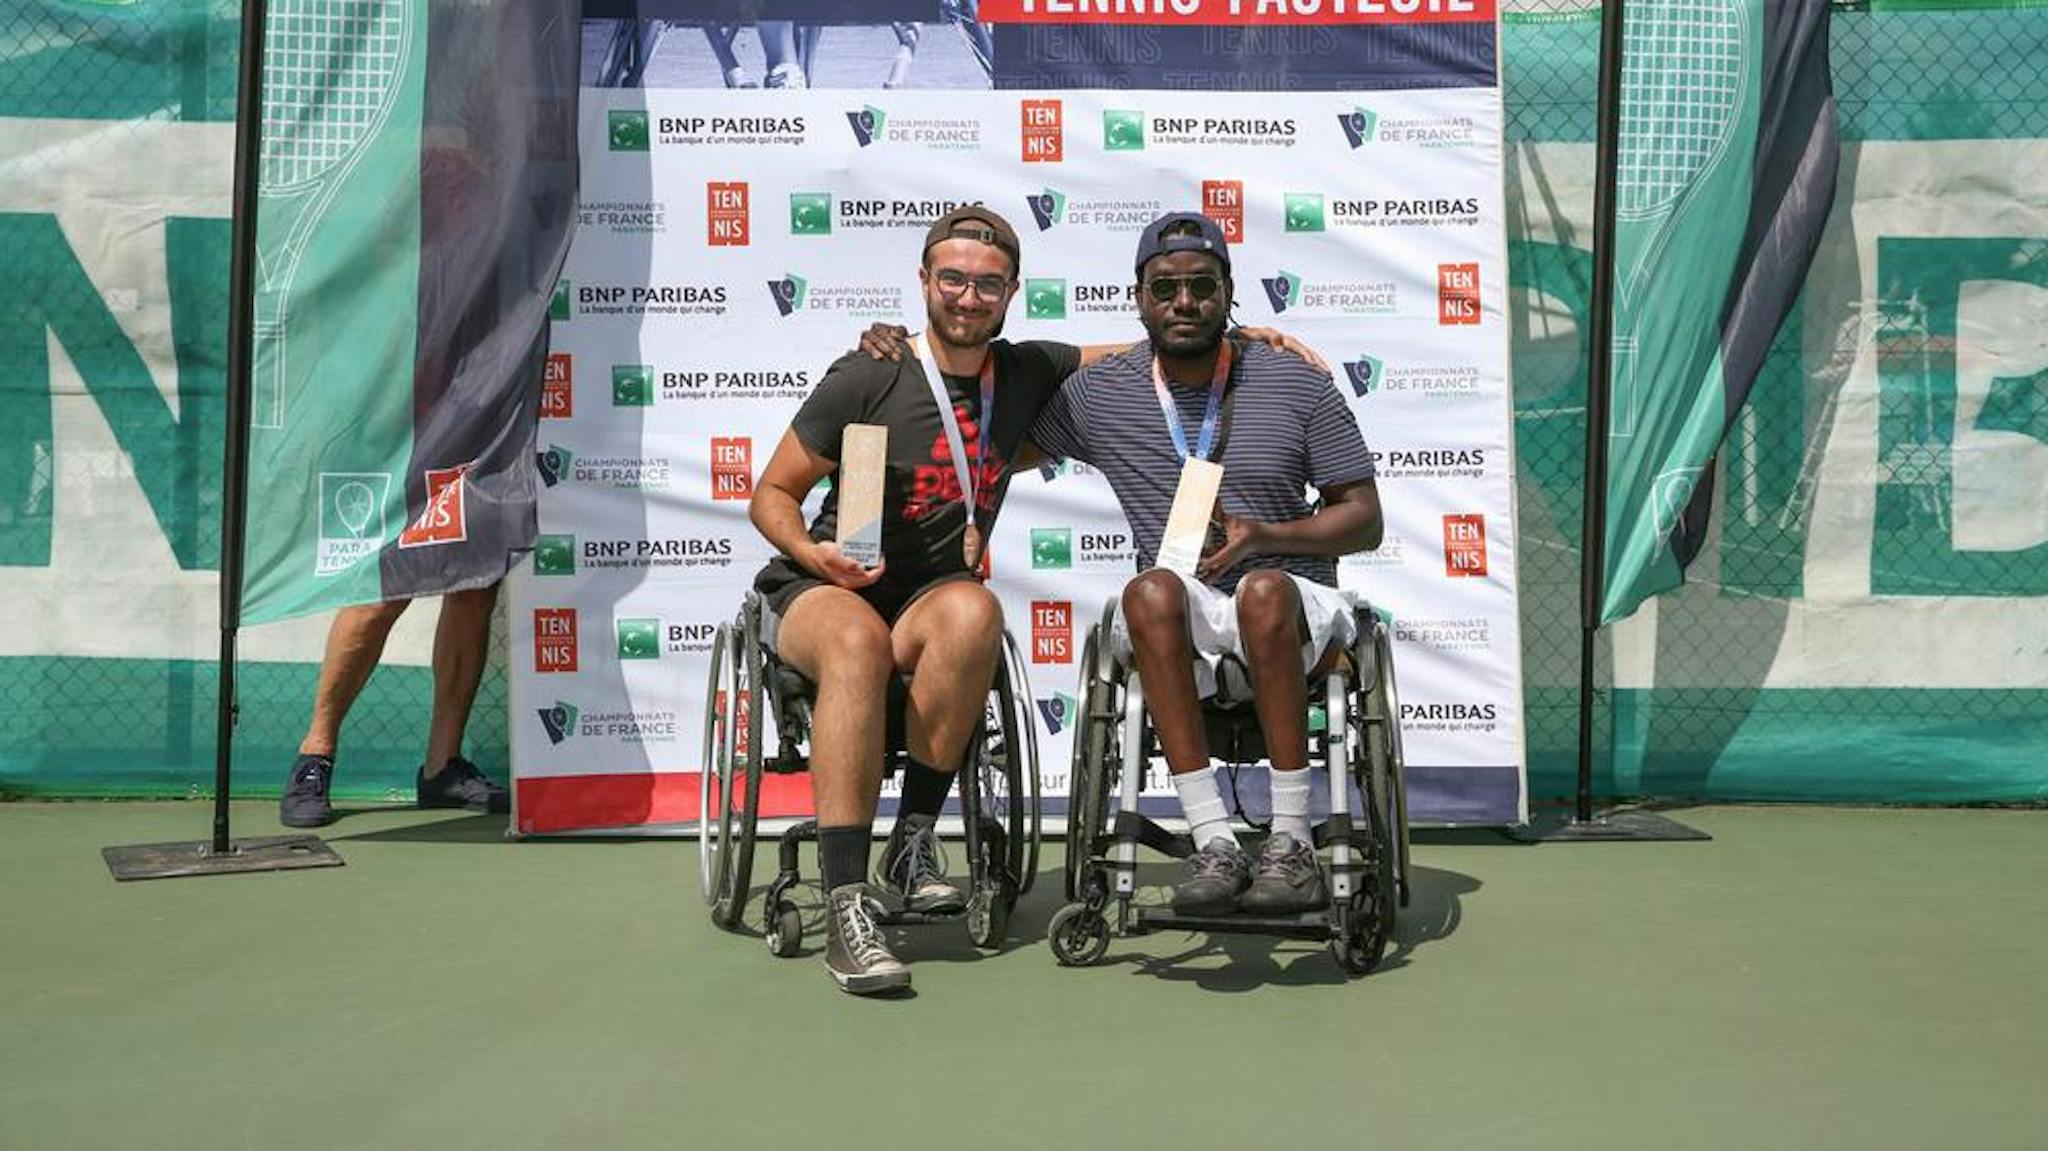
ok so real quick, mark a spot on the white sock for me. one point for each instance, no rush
(1290, 804)
(1202, 803)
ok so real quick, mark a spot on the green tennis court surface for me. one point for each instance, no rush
(1811, 979)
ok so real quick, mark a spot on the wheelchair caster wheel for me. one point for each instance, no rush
(988, 917)
(785, 930)
(1361, 941)
(1079, 936)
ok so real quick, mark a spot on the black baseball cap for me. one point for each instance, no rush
(1207, 237)
(974, 222)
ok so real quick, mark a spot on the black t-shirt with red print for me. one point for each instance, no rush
(924, 519)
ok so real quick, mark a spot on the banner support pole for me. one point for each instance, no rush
(221, 854)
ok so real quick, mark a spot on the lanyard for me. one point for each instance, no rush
(952, 422)
(1210, 417)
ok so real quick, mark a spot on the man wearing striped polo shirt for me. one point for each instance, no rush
(1263, 585)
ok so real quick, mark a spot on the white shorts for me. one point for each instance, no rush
(1212, 624)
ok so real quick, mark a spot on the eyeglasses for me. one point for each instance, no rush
(954, 282)
(1166, 289)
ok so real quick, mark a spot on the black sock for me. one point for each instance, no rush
(924, 790)
(843, 855)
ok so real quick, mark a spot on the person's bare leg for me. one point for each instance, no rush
(833, 636)
(947, 642)
(1156, 614)
(1272, 630)
(461, 644)
(355, 641)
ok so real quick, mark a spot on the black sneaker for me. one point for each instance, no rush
(913, 869)
(856, 957)
(460, 784)
(304, 803)
(1216, 874)
(1285, 878)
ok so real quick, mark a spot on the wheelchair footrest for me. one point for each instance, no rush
(1301, 925)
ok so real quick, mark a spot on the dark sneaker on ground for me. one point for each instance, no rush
(1216, 874)
(913, 870)
(304, 803)
(460, 784)
(855, 955)
(1285, 877)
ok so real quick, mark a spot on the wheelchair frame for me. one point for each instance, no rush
(1367, 866)
(1000, 805)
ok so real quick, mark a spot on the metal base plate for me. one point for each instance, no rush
(266, 853)
(1627, 826)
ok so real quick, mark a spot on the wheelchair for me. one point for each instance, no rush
(1355, 739)
(998, 787)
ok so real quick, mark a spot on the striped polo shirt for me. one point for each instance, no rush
(1288, 429)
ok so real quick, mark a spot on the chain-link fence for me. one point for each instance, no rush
(1731, 693)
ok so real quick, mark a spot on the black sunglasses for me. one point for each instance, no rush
(1166, 289)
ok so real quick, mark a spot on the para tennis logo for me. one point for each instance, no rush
(554, 555)
(789, 292)
(1048, 207)
(1058, 710)
(627, 130)
(1045, 299)
(810, 213)
(1052, 631)
(726, 215)
(1283, 291)
(351, 519)
(868, 124)
(443, 520)
(555, 464)
(1360, 126)
(732, 467)
(1044, 134)
(554, 640)
(1223, 202)
(1365, 373)
(557, 388)
(1465, 545)
(559, 721)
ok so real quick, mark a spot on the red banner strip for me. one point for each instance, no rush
(590, 802)
(1263, 12)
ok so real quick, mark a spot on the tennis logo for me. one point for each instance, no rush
(639, 639)
(1052, 549)
(726, 214)
(628, 130)
(1465, 546)
(1052, 631)
(1223, 202)
(554, 640)
(351, 519)
(554, 464)
(789, 292)
(1043, 131)
(867, 124)
(554, 555)
(443, 520)
(732, 467)
(1457, 293)
(1360, 126)
(559, 721)
(1045, 299)
(632, 385)
(1047, 208)
(1123, 131)
(557, 387)
(1365, 373)
(1304, 211)
(810, 213)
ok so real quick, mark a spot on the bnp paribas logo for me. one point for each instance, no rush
(554, 464)
(554, 555)
(559, 305)
(559, 721)
(628, 130)
(639, 639)
(1058, 710)
(1052, 549)
(632, 386)
(1045, 299)
(1047, 207)
(1359, 126)
(1366, 374)
(789, 293)
(810, 213)
(868, 124)
(1123, 131)
(1283, 290)
(1304, 211)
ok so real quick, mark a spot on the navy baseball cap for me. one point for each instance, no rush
(1206, 237)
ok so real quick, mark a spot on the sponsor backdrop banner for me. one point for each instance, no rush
(734, 241)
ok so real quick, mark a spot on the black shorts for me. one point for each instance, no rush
(779, 589)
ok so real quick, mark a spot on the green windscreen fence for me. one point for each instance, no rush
(1867, 621)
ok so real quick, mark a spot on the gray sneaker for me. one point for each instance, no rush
(913, 869)
(1216, 874)
(854, 952)
(1285, 878)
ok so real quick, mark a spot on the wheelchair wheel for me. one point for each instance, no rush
(712, 827)
(1088, 777)
(739, 782)
(1380, 784)
(785, 936)
(1397, 781)
(988, 916)
(1024, 721)
(1363, 932)
(1079, 936)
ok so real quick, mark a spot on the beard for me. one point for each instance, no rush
(1170, 345)
(963, 331)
